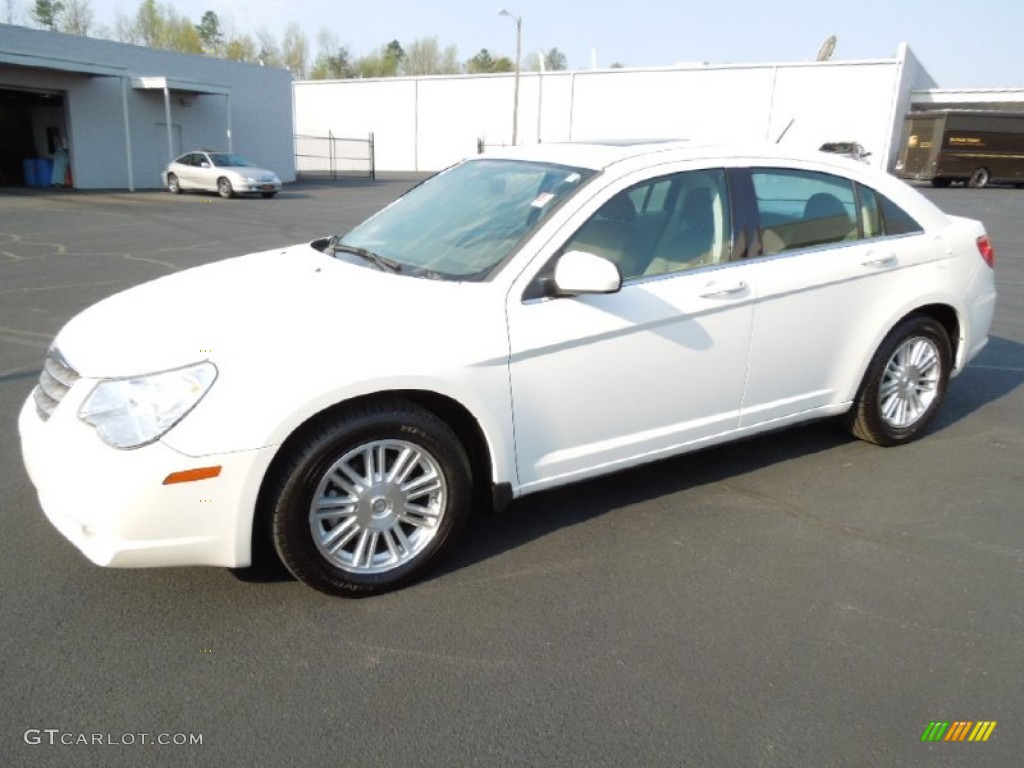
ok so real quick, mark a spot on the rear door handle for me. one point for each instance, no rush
(721, 290)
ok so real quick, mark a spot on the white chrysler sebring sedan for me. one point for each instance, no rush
(518, 321)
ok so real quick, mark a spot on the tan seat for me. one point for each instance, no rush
(611, 233)
(691, 241)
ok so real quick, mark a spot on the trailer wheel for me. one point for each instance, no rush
(979, 179)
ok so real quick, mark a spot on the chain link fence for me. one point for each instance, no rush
(334, 157)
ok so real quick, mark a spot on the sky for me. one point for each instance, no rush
(976, 44)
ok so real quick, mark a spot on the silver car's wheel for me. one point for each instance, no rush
(378, 506)
(367, 499)
(904, 384)
(224, 188)
(173, 184)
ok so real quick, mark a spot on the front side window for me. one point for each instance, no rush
(464, 222)
(664, 225)
(803, 209)
(228, 160)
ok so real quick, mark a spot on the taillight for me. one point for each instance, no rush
(988, 253)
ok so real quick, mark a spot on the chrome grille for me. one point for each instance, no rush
(54, 382)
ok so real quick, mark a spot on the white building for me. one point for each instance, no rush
(122, 111)
(427, 123)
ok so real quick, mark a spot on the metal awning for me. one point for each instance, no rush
(148, 83)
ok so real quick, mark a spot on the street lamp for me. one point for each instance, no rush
(515, 99)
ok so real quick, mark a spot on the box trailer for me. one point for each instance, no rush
(973, 146)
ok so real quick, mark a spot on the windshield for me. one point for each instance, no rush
(225, 160)
(462, 223)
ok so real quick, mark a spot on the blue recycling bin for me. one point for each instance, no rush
(31, 172)
(44, 171)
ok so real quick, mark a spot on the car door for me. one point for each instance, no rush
(609, 380)
(826, 278)
(186, 170)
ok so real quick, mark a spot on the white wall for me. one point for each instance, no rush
(425, 124)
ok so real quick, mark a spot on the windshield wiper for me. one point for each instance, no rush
(381, 262)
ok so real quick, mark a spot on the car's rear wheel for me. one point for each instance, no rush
(224, 188)
(173, 184)
(369, 499)
(980, 178)
(268, 194)
(905, 383)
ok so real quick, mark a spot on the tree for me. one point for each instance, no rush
(150, 24)
(295, 50)
(332, 61)
(210, 34)
(269, 55)
(47, 12)
(394, 54)
(76, 18)
(425, 57)
(241, 48)
(481, 63)
(555, 61)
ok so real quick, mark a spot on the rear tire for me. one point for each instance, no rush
(173, 185)
(268, 195)
(370, 499)
(904, 385)
(979, 179)
(941, 182)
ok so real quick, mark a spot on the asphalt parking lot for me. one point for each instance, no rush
(801, 599)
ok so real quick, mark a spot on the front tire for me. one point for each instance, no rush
(224, 188)
(370, 499)
(904, 385)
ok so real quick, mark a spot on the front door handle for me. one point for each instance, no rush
(721, 290)
(884, 261)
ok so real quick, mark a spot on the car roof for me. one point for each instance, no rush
(599, 155)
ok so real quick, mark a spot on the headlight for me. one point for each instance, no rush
(128, 413)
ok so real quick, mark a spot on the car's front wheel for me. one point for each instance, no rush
(905, 383)
(369, 499)
(224, 188)
(173, 184)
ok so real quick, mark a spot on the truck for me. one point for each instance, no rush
(976, 147)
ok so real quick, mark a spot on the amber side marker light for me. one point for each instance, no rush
(988, 253)
(190, 475)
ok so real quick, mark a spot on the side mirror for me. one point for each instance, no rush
(579, 272)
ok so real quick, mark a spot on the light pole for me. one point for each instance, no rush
(515, 98)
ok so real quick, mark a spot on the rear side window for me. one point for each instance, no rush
(896, 220)
(880, 216)
(803, 209)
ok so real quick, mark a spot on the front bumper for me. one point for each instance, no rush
(113, 506)
(245, 186)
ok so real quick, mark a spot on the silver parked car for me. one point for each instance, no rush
(226, 173)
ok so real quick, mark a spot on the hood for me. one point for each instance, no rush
(292, 302)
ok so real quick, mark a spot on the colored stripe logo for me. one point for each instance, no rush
(959, 730)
